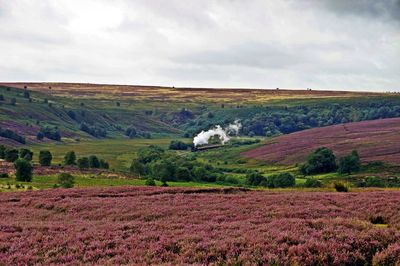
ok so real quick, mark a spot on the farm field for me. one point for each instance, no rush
(128, 225)
(376, 140)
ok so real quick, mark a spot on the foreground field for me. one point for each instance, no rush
(376, 140)
(181, 226)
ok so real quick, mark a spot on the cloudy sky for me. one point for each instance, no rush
(321, 44)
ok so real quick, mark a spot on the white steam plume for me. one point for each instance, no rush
(204, 136)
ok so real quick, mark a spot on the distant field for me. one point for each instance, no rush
(185, 95)
(125, 225)
(376, 140)
(118, 152)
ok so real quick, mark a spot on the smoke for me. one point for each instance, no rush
(223, 134)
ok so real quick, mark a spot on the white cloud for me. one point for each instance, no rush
(226, 43)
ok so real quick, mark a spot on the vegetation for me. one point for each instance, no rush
(320, 161)
(45, 158)
(66, 180)
(23, 170)
(349, 163)
(70, 158)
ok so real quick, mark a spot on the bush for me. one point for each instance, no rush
(182, 174)
(255, 179)
(70, 158)
(23, 170)
(312, 182)
(177, 145)
(199, 173)
(13, 101)
(373, 181)
(104, 164)
(94, 161)
(322, 160)
(11, 155)
(281, 180)
(150, 182)
(50, 133)
(26, 154)
(4, 175)
(66, 180)
(349, 163)
(40, 136)
(45, 158)
(131, 132)
(231, 180)
(137, 167)
(149, 154)
(83, 163)
(340, 187)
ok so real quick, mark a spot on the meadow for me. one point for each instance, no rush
(129, 225)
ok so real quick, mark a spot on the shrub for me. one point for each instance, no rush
(83, 163)
(4, 175)
(137, 167)
(349, 163)
(177, 145)
(94, 161)
(1, 97)
(70, 158)
(11, 155)
(340, 187)
(45, 158)
(322, 160)
(13, 101)
(23, 170)
(104, 164)
(131, 132)
(231, 180)
(50, 133)
(199, 173)
(26, 154)
(40, 136)
(66, 180)
(281, 180)
(373, 181)
(150, 182)
(182, 174)
(149, 154)
(312, 182)
(255, 179)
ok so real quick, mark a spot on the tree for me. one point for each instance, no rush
(70, 158)
(13, 101)
(137, 167)
(164, 170)
(322, 160)
(131, 132)
(104, 164)
(312, 182)
(40, 135)
(349, 163)
(281, 180)
(11, 155)
(83, 163)
(182, 174)
(149, 154)
(1, 97)
(23, 170)
(255, 179)
(2, 151)
(66, 180)
(26, 154)
(45, 158)
(199, 173)
(94, 161)
(177, 145)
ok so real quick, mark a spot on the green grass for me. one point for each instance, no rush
(82, 181)
(118, 152)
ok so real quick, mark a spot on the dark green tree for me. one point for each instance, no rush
(83, 163)
(70, 158)
(349, 163)
(281, 180)
(26, 154)
(11, 155)
(322, 160)
(149, 154)
(255, 179)
(137, 167)
(94, 161)
(45, 158)
(182, 174)
(23, 170)
(104, 164)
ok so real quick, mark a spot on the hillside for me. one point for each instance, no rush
(73, 112)
(376, 140)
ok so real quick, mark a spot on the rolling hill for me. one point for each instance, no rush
(376, 140)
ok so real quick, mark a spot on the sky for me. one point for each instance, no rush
(318, 44)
